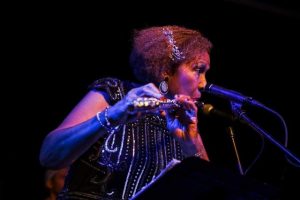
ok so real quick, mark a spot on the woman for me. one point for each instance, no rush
(121, 135)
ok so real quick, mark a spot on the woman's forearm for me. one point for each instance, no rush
(61, 147)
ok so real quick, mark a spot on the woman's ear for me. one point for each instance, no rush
(166, 74)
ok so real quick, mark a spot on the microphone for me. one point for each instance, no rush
(230, 95)
(209, 110)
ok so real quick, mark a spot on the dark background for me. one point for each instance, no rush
(53, 52)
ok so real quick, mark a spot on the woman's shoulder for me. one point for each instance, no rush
(113, 82)
(104, 82)
(113, 88)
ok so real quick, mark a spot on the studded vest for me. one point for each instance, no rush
(144, 148)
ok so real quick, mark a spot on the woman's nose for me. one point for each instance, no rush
(202, 82)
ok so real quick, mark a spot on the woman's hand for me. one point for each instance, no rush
(182, 122)
(183, 125)
(122, 111)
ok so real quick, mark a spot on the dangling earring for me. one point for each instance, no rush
(163, 86)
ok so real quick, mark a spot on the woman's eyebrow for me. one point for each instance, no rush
(202, 65)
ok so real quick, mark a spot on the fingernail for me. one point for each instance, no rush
(193, 119)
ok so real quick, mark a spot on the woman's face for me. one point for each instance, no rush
(190, 76)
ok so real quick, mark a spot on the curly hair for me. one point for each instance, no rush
(151, 54)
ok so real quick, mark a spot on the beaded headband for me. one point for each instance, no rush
(176, 55)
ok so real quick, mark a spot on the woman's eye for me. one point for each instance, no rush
(200, 68)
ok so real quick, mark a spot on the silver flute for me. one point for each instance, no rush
(150, 104)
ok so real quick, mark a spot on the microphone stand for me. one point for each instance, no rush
(231, 134)
(237, 111)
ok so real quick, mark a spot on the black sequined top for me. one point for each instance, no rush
(144, 148)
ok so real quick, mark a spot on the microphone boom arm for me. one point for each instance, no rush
(236, 109)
